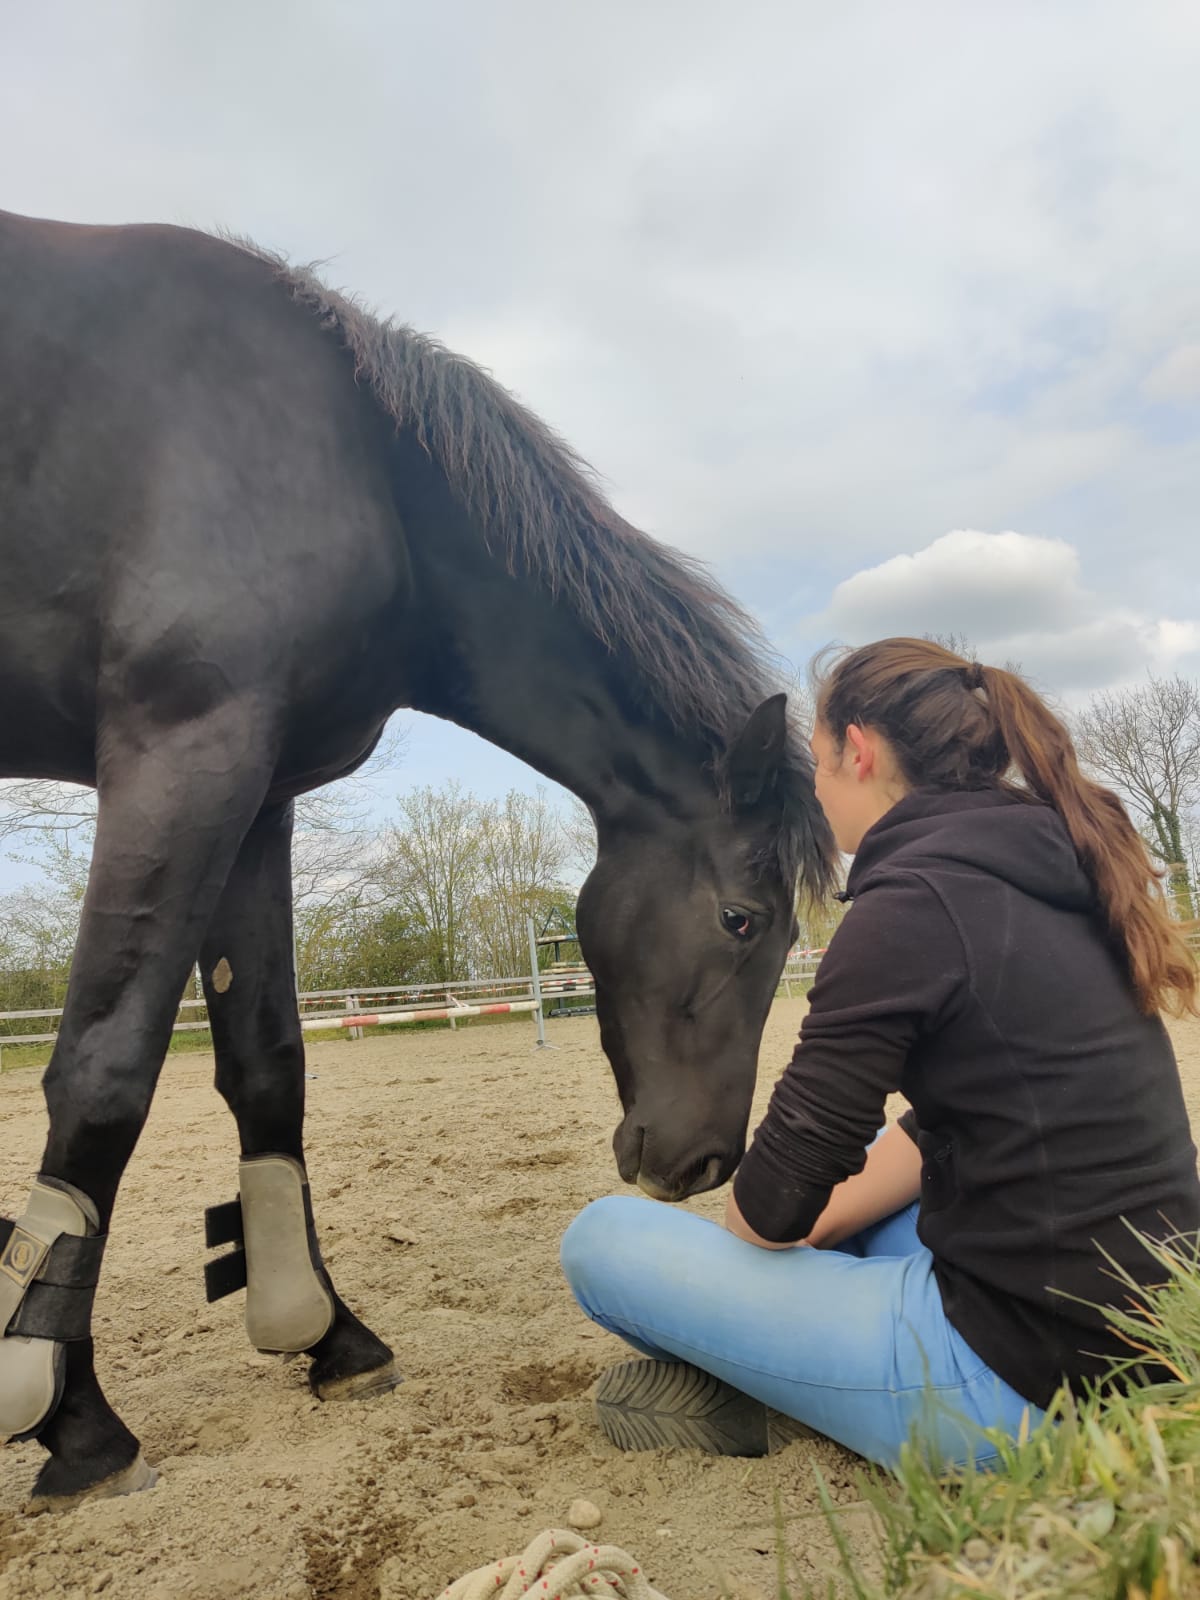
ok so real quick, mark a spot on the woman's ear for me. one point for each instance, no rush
(863, 747)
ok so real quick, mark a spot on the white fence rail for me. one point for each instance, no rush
(799, 971)
(555, 993)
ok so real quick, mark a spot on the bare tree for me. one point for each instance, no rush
(957, 642)
(578, 838)
(38, 810)
(1145, 743)
(961, 645)
(336, 843)
(330, 865)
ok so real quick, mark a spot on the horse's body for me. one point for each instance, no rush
(240, 524)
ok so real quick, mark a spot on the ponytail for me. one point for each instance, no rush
(954, 724)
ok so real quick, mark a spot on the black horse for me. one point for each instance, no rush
(241, 523)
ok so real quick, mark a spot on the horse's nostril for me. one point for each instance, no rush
(709, 1175)
(627, 1147)
(703, 1174)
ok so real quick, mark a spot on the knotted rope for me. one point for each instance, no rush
(558, 1565)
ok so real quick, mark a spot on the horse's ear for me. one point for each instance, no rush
(758, 751)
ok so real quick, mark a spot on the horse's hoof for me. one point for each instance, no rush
(360, 1385)
(130, 1480)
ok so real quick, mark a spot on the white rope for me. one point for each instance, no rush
(557, 1565)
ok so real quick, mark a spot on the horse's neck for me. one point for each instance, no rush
(500, 656)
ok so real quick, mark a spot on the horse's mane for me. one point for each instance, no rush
(696, 655)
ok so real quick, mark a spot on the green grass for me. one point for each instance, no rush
(17, 1057)
(1100, 1502)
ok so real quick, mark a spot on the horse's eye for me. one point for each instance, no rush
(737, 922)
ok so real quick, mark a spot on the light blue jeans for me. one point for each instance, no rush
(853, 1341)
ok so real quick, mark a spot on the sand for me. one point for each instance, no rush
(444, 1168)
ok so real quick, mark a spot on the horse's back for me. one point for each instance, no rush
(115, 343)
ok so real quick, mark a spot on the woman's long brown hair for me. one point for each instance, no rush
(956, 724)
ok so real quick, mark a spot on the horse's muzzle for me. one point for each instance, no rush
(661, 1177)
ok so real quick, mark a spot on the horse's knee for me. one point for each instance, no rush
(269, 1085)
(96, 1112)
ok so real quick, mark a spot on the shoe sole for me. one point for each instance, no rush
(669, 1405)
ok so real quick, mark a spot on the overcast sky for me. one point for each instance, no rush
(890, 312)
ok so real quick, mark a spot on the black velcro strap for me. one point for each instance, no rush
(53, 1311)
(223, 1224)
(225, 1275)
(58, 1303)
(73, 1263)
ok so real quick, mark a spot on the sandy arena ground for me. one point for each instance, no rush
(444, 1168)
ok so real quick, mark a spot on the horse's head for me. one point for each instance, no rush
(685, 923)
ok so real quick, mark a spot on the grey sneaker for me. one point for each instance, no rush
(657, 1405)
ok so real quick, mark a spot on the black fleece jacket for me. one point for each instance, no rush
(972, 975)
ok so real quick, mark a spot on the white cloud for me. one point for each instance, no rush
(1016, 598)
(981, 584)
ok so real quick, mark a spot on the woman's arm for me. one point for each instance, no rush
(890, 1180)
(895, 972)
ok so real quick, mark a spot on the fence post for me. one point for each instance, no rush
(351, 1005)
(535, 982)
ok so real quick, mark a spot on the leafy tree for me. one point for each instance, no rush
(431, 870)
(38, 928)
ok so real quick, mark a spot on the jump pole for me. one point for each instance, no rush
(385, 1018)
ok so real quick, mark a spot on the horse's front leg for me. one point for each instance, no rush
(173, 809)
(246, 962)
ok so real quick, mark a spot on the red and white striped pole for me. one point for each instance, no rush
(378, 1019)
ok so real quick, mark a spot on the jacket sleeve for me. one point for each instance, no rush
(894, 971)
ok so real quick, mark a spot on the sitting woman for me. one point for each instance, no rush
(1002, 965)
